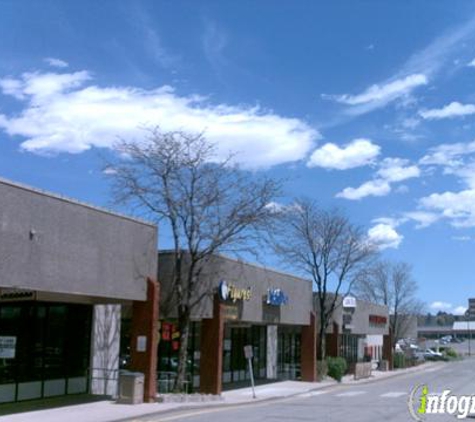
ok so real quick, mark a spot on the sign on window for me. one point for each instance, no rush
(7, 347)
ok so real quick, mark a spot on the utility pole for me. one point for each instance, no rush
(469, 336)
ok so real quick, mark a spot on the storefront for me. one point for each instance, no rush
(359, 331)
(247, 305)
(48, 353)
(66, 268)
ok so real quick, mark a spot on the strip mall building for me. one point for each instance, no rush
(269, 310)
(70, 273)
(66, 269)
(273, 312)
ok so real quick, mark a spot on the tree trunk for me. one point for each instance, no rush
(321, 353)
(184, 327)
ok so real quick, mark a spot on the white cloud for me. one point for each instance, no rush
(440, 306)
(462, 238)
(359, 152)
(370, 188)
(391, 170)
(278, 207)
(454, 109)
(384, 93)
(448, 154)
(65, 113)
(447, 307)
(397, 170)
(56, 62)
(459, 310)
(423, 218)
(455, 159)
(471, 63)
(384, 236)
(389, 221)
(459, 207)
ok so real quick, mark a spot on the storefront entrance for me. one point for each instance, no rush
(44, 350)
(288, 353)
(235, 365)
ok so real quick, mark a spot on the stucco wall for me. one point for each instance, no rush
(51, 244)
(360, 317)
(243, 275)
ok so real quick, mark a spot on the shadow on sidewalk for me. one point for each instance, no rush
(49, 403)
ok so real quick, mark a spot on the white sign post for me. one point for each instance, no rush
(248, 353)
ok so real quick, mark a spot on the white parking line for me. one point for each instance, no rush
(351, 394)
(394, 394)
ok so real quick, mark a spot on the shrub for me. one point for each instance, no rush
(399, 361)
(337, 368)
(451, 353)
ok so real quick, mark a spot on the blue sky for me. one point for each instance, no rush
(368, 106)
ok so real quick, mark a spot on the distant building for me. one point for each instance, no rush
(471, 308)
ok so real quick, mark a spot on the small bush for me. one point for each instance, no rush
(450, 353)
(399, 361)
(337, 368)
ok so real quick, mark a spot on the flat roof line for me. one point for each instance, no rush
(251, 264)
(69, 200)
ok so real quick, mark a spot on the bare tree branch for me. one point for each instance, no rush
(209, 205)
(325, 246)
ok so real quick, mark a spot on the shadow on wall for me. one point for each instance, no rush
(105, 350)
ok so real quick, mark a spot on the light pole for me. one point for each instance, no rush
(469, 334)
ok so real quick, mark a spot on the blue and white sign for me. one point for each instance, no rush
(276, 297)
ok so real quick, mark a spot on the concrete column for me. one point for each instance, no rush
(211, 364)
(271, 358)
(308, 353)
(144, 339)
(105, 347)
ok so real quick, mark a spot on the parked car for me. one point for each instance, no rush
(430, 354)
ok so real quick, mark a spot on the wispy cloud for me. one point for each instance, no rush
(150, 36)
(458, 207)
(391, 170)
(440, 305)
(454, 109)
(357, 153)
(64, 112)
(383, 93)
(448, 51)
(370, 188)
(214, 42)
(56, 62)
(397, 169)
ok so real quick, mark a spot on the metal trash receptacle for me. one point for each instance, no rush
(131, 386)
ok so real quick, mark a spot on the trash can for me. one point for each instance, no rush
(131, 386)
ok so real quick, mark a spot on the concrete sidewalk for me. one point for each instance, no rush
(108, 411)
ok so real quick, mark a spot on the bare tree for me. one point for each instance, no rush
(324, 246)
(208, 204)
(392, 284)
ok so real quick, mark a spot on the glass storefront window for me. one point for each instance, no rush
(52, 343)
(168, 348)
(235, 366)
(288, 352)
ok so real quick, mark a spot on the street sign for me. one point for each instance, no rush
(248, 353)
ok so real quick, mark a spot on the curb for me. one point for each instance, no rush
(224, 405)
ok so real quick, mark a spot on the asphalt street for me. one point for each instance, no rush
(379, 400)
